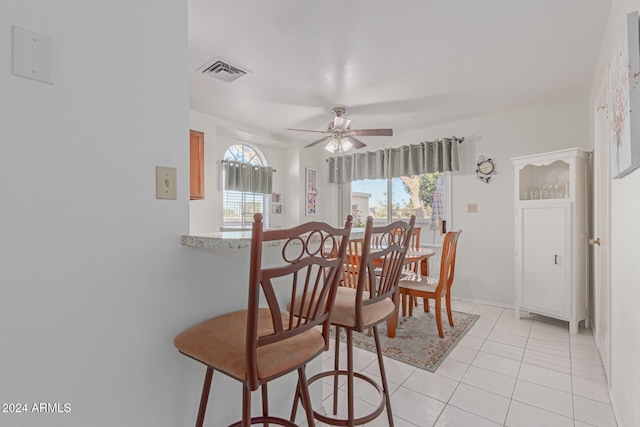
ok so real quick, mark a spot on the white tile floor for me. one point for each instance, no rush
(504, 372)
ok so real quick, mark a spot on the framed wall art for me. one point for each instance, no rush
(624, 101)
(276, 203)
(311, 192)
(312, 181)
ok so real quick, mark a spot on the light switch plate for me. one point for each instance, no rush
(472, 208)
(32, 55)
(166, 187)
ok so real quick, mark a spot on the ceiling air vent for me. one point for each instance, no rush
(222, 70)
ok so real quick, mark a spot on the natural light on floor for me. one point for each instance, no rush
(503, 372)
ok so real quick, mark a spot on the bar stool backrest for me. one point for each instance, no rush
(381, 264)
(309, 267)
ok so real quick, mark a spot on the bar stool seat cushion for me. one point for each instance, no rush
(344, 312)
(220, 342)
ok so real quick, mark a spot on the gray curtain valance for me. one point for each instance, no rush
(407, 160)
(247, 177)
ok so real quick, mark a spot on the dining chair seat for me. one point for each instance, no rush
(421, 283)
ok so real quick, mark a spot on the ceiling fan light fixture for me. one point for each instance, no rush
(345, 145)
(339, 145)
(341, 138)
(332, 146)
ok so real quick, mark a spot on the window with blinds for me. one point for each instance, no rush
(239, 206)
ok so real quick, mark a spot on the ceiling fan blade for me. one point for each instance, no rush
(307, 130)
(317, 142)
(356, 142)
(373, 132)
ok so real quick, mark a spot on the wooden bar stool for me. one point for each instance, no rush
(260, 344)
(373, 301)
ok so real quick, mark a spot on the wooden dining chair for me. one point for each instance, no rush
(372, 302)
(416, 265)
(417, 286)
(262, 343)
(352, 264)
(415, 238)
(414, 245)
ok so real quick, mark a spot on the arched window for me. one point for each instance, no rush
(239, 206)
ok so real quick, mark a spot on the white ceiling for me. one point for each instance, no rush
(393, 64)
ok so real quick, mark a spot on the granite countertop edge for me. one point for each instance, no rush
(233, 239)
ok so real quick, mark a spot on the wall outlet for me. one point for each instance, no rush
(472, 207)
(166, 187)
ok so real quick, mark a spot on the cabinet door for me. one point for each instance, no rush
(545, 260)
(196, 150)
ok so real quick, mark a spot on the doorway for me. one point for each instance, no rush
(600, 242)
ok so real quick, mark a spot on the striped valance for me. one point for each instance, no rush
(407, 160)
(247, 177)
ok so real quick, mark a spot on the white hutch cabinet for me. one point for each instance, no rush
(551, 238)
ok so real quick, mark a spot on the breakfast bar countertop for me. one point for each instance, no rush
(219, 240)
(234, 239)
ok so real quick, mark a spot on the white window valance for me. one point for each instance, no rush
(247, 177)
(407, 160)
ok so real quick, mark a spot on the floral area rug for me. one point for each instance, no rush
(417, 342)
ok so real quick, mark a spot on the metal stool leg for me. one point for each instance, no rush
(306, 398)
(246, 406)
(265, 403)
(383, 375)
(205, 396)
(336, 368)
(350, 394)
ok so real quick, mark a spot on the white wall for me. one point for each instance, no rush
(625, 252)
(94, 284)
(485, 263)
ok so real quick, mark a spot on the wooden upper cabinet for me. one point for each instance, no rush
(196, 142)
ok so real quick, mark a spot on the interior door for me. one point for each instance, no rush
(601, 226)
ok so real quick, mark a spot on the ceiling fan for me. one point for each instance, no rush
(341, 137)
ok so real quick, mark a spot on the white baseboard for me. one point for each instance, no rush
(479, 301)
(616, 413)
